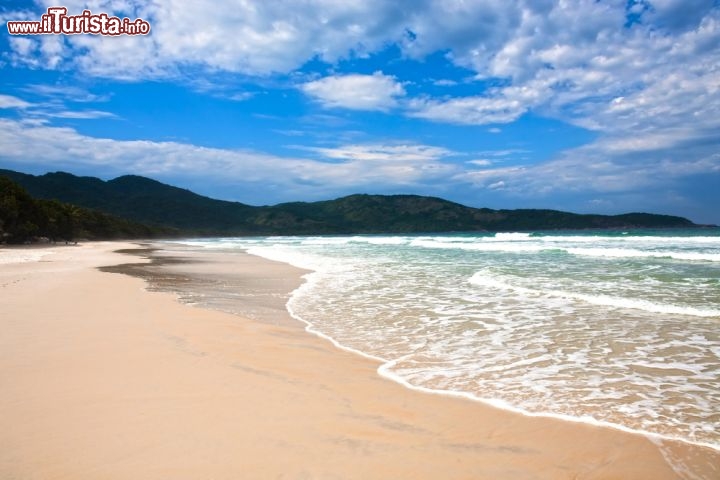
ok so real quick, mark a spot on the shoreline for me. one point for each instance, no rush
(384, 364)
(314, 409)
(493, 403)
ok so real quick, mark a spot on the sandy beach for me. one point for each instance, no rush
(102, 379)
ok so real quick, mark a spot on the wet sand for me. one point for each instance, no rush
(102, 379)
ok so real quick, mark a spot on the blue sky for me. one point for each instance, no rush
(579, 105)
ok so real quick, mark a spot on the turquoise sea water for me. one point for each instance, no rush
(621, 328)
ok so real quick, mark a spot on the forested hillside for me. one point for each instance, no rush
(24, 218)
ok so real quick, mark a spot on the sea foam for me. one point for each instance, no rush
(611, 330)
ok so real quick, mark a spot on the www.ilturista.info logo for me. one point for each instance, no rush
(57, 22)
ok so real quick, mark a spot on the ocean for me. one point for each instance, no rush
(611, 328)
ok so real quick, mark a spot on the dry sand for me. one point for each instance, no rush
(101, 379)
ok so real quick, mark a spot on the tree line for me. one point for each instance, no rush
(24, 219)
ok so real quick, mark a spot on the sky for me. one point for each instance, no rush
(607, 106)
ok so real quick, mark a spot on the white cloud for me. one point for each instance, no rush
(49, 110)
(503, 152)
(23, 47)
(481, 162)
(601, 168)
(79, 114)
(65, 93)
(253, 38)
(8, 101)
(467, 110)
(570, 59)
(241, 96)
(353, 166)
(473, 31)
(384, 152)
(444, 83)
(678, 15)
(486, 177)
(356, 92)
(386, 164)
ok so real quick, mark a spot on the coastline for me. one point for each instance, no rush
(104, 379)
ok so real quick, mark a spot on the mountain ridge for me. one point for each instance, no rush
(154, 203)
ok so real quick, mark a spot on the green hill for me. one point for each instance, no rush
(138, 198)
(154, 203)
(24, 218)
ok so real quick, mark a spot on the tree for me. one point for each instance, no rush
(19, 213)
(24, 218)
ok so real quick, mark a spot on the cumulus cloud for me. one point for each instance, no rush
(356, 92)
(253, 38)
(568, 60)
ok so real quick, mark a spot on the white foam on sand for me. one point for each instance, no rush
(8, 256)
